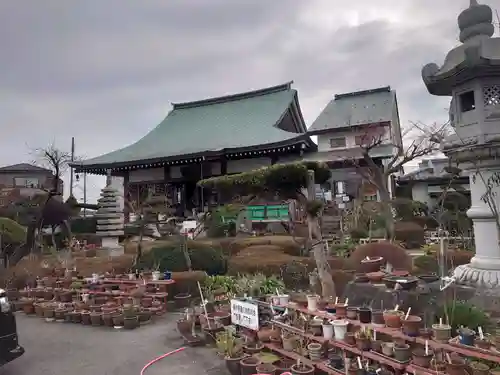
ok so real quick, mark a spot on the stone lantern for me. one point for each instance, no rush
(470, 74)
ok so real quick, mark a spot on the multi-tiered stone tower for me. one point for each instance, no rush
(110, 219)
(471, 76)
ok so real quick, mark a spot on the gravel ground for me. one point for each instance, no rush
(59, 348)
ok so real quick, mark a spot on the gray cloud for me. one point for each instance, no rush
(106, 71)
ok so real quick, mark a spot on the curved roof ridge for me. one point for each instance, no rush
(234, 97)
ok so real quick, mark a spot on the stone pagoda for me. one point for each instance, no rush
(110, 219)
(471, 76)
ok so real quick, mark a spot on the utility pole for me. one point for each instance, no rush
(85, 192)
(71, 170)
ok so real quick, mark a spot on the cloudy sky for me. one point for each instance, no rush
(106, 71)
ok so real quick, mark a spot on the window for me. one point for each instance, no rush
(26, 182)
(337, 142)
(467, 101)
(491, 95)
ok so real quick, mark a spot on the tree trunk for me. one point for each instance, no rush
(387, 213)
(324, 271)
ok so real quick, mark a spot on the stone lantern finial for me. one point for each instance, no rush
(476, 20)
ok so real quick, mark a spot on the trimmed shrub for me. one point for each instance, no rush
(426, 264)
(392, 254)
(409, 233)
(171, 258)
(84, 225)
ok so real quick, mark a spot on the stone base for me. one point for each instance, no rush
(475, 277)
(112, 245)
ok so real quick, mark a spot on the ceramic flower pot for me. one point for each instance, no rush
(316, 327)
(328, 331)
(336, 361)
(131, 322)
(253, 348)
(392, 318)
(266, 333)
(182, 300)
(483, 343)
(350, 338)
(375, 277)
(388, 349)
(352, 313)
(466, 336)
(420, 358)
(95, 319)
(301, 369)
(248, 365)
(86, 318)
(402, 352)
(315, 351)
(372, 264)
(312, 302)
(289, 343)
(365, 315)
(479, 368)
(411, 325)
(284, 365)
(283, 299)
(441, 332)
(233, 365)
(340, 328)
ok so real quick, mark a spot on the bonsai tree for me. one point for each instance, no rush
(285, 181)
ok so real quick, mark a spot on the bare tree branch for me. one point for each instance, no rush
(54, 159)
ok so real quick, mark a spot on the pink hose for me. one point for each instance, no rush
(160, 358)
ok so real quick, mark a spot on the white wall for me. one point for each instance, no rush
(350, 136)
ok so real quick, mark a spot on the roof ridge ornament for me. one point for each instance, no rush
(476, 20)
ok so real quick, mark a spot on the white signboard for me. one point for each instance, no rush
(245, 314)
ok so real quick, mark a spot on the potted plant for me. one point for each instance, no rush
(302, 369)
(363, 339)
(411, 325)
(252, 347)
(315, 351)
(232, 349)
(392, 318)
(130, 319)
(422, 358)
(479, 368)
(340, 328)
(86, 318)
(265, 369)
(95, 318)
(248, 365)
(402, 352)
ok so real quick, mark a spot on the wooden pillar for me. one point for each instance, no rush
(126, 209)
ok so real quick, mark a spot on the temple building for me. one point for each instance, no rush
(205, 138)
(430, 180)
(348, 122)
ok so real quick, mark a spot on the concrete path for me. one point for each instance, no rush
(60, 348)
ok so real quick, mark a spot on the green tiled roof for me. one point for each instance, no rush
(213, 125)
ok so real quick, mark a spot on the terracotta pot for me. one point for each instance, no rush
(233, 365)
(411, 325)
(402, 352)
(371, 264)
(95, 318)
(375, 277)
(248, 365)
(28, 307)
(479, 368)
(363, 344)
(86, 318)
(350, 338)
(302, 369)
(392, 318)
(456, 367)
(340, 310)
(378, 317)
(441, 332)
(421, 359)
(266, 369)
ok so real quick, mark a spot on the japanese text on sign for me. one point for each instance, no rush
(245, 314)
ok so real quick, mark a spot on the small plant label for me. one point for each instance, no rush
(245, 314)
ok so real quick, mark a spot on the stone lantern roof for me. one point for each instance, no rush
(477, 56)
